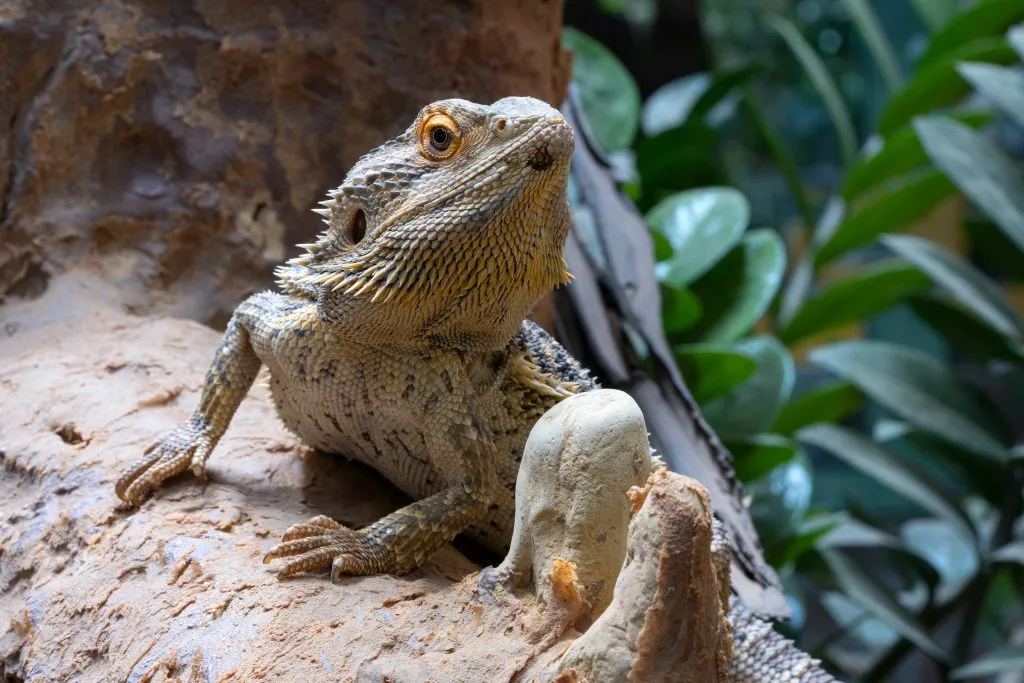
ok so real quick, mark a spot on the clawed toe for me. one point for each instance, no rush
(186, 446)
(322, 542)
(318, 526)
(132, 486)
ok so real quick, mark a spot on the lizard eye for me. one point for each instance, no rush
(439, 137)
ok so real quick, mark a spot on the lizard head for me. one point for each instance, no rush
(451, 231)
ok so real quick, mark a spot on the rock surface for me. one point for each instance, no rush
(177, 590)
(176, 148)
(582, 455)
(151, 157)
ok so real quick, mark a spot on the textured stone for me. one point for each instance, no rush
(177, 591)
(581, 458)
(176, 148)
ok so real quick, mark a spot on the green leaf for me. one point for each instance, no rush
(1005, 87)
(670, 105)
(961, 280)
(884, 430)
(862, 590)
(856, 623)
(608, 94)
(987, 19)
(749, 408)
(917, 388)
(862, 295)
(831, 402)
(701, 226)
(934, 13)
(965, 332)
(798, 288)
(973, 474)
(740, 288)
(1016, 37)
(946, 547)
(755, 456)
(690, 97)
(808, 533)
(712, 370)
(901, 154)
(822, 82)
(939, 84)
(829, 221)
(864, 18)
(714, 100)
(854, 533)
(895, 207)
(680, 309)
(1009, 658)
(677, 159)
(981, 170)
(889, 470)
(1010, 553)
(780, 499)
(662, 247)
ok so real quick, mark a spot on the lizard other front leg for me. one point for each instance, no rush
(404, 539)
(231, 374)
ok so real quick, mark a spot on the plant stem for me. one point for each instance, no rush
(974, 604)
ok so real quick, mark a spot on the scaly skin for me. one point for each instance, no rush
(759, 653)
(398, 339)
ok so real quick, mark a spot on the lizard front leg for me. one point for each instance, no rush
(228, 379)
(404, 539)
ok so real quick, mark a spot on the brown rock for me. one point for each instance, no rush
(176, 148)
(177, 589)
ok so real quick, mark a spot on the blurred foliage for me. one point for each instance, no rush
(752, 316)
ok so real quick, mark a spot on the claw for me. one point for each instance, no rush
(185, 447)
(129, 478)
(302, 531)
(322, 542)
(344, 565)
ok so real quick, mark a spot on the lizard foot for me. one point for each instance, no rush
(188, 445)
(323, 542)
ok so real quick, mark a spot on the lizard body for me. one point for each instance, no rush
(398, 338)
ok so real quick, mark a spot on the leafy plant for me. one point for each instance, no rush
(739, 307)
(944, 424)
(719, 276)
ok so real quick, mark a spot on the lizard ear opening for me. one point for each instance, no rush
(357, 226)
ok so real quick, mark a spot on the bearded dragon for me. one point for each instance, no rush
(398, 338)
